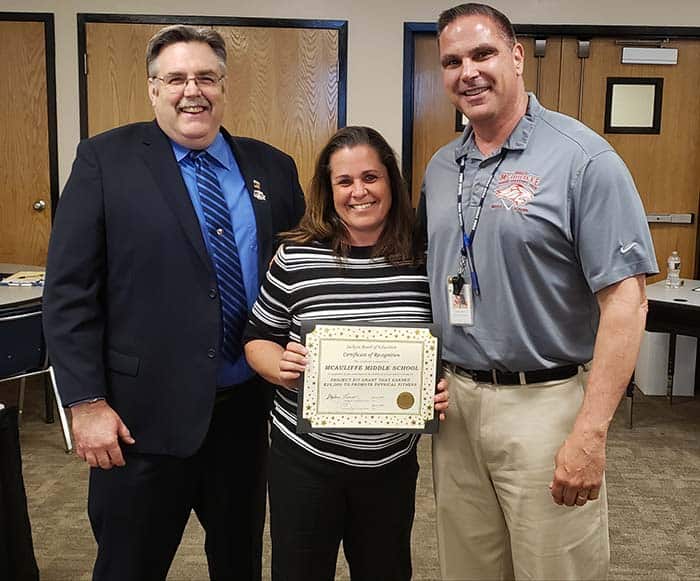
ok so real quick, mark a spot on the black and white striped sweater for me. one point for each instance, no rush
(310, 283)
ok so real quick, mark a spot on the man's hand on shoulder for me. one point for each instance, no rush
(97, 429)
(579, 467)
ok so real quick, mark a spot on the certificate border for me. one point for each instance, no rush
(305, 426)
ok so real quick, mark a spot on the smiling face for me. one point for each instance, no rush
(481, 72)
(190, 115)
(361, 192)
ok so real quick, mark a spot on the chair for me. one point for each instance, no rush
(23, 354)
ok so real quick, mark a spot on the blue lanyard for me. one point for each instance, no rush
(467, 251)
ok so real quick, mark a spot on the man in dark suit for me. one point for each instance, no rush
(147, 290)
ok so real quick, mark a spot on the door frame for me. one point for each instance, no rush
(84, 18)
(582, 32)
(50, 54)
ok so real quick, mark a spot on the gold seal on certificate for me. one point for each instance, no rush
(405, 400)
(369, 377)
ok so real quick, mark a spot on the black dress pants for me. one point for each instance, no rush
(313, 506)
(17, 560)
(138, 512)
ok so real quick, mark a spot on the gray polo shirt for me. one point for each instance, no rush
(562, 219)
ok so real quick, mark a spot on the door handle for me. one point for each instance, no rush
(39, 206)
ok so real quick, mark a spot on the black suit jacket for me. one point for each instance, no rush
(131, 308)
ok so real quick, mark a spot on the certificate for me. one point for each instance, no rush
(364, 377)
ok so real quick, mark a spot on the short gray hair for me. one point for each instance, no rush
(183, 33)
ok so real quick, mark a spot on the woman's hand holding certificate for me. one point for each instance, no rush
(292, 365)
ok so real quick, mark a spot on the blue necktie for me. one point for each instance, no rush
(224, 253)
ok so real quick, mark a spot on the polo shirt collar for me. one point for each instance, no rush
(517, 140)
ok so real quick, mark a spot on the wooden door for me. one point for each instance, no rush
(282, 83)
(434, 115)
(24, 144)
(666, 167)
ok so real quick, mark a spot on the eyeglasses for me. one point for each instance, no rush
(177, 83)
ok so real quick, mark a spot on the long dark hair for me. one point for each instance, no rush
(321, 222)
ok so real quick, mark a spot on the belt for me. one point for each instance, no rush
(497, 377)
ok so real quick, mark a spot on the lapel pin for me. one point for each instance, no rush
(258, 194)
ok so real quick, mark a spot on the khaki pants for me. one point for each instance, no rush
(493, 459)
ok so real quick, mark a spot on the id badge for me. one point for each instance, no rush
(461, 306)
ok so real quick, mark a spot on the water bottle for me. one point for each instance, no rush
(673, 278)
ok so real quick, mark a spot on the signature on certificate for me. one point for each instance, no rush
(346, 397)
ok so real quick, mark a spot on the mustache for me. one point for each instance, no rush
(199, 102)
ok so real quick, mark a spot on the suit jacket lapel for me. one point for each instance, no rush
(255, 179)
(160, 160)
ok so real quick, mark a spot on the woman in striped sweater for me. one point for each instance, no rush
(352, 258)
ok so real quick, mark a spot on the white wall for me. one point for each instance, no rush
(375, 41)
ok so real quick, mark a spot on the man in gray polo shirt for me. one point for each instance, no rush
(538, 249)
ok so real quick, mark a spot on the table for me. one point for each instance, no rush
(676, 312)
(14, 296)
(16, 300)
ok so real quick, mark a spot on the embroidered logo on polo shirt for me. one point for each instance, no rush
(515, 190)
